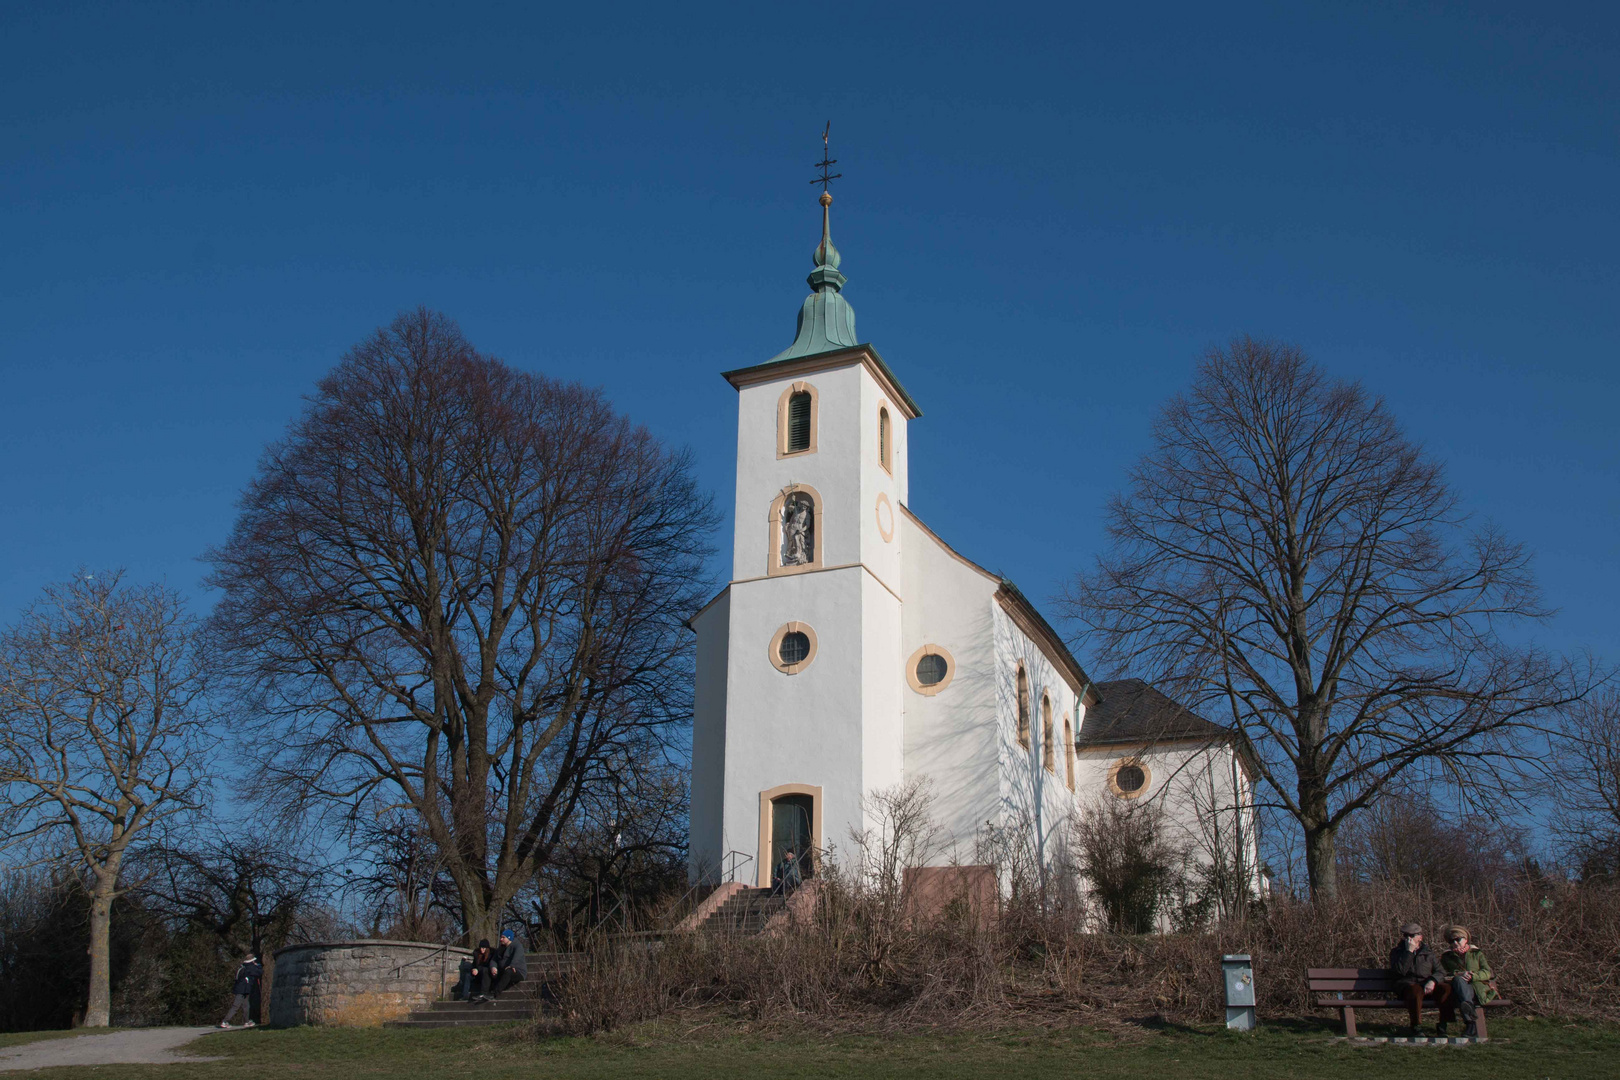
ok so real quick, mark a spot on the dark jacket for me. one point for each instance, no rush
(511, 956)
(249, 973)
(482, 959)
(1409, 966)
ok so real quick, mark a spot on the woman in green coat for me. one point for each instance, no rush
(1470, 975)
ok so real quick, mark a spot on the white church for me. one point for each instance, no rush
(855, 649)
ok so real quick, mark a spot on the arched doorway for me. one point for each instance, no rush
(789, 818)
(792, 817)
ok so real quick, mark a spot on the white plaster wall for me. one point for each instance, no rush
(713, 627)
(804, 728)
(1194, 783)
(882, 680)
(950, 737)
(884, 558)
(834, 469)
(1032, 797)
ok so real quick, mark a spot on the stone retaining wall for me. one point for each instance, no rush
(359, 983)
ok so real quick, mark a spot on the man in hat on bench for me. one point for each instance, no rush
(1417, 975)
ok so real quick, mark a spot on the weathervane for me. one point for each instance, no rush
(826, 162)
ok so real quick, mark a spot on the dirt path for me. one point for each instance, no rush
(146, 1046)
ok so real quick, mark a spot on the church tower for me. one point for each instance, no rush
(799, 700)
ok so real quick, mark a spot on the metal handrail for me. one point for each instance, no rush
(443, 954)
(725, 870)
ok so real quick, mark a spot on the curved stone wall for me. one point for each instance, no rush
(358, 983)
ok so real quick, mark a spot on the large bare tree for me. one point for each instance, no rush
(1285, 556)
(107, 731)
(459, 588)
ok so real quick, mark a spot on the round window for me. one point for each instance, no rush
(1130, 778)
(794, 648)
(931, 669)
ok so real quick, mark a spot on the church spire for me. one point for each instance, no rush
(826, 321)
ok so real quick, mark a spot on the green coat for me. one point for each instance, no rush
(1473, 960)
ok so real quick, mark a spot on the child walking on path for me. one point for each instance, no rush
(248, 975)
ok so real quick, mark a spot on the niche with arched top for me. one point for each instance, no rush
(794, 535)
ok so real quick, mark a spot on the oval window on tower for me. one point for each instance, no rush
(792, 648)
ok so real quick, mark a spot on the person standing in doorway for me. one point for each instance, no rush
(787, 875)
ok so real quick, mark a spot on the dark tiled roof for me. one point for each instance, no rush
(1131, 711)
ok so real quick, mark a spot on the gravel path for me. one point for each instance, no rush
(145, 1046)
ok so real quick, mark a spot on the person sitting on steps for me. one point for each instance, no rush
(1417, 975)
(248, 972)
(509, 963)
(1469, 973)
(476, 974)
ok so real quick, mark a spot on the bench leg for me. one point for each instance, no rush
(1479, 1021)
(1349, 1022)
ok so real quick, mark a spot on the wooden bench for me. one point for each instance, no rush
(1349, 989)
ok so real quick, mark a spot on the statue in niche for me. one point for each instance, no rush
(798, 529)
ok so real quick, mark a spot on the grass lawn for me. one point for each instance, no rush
(1521, 1049)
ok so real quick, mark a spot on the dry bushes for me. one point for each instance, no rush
(1552, 945)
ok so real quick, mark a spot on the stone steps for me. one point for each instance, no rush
(745, 912)
(518, 1003)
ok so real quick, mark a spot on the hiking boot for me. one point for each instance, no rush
(1440, 1028)
(1471, 1031)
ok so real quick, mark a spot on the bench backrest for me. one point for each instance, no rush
(1351, 981)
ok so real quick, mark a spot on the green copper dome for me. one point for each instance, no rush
(826, 321)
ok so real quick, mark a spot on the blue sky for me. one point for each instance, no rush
(1047, 214)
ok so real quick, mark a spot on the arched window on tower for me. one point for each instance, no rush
(798, 422)
(1023, 707)
(1068, 749)
(1047, 758)
(885, 441)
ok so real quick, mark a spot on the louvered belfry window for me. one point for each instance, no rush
(798, 422)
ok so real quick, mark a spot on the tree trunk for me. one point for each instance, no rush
(1321, 862)
(98, 1007)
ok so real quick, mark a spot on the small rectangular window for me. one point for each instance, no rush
(798, 422)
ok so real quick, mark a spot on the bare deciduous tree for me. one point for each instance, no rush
(1285, 555)
(460, 588)
(107, 725)
(1584, 785)
(252, 894)
(899, 838)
